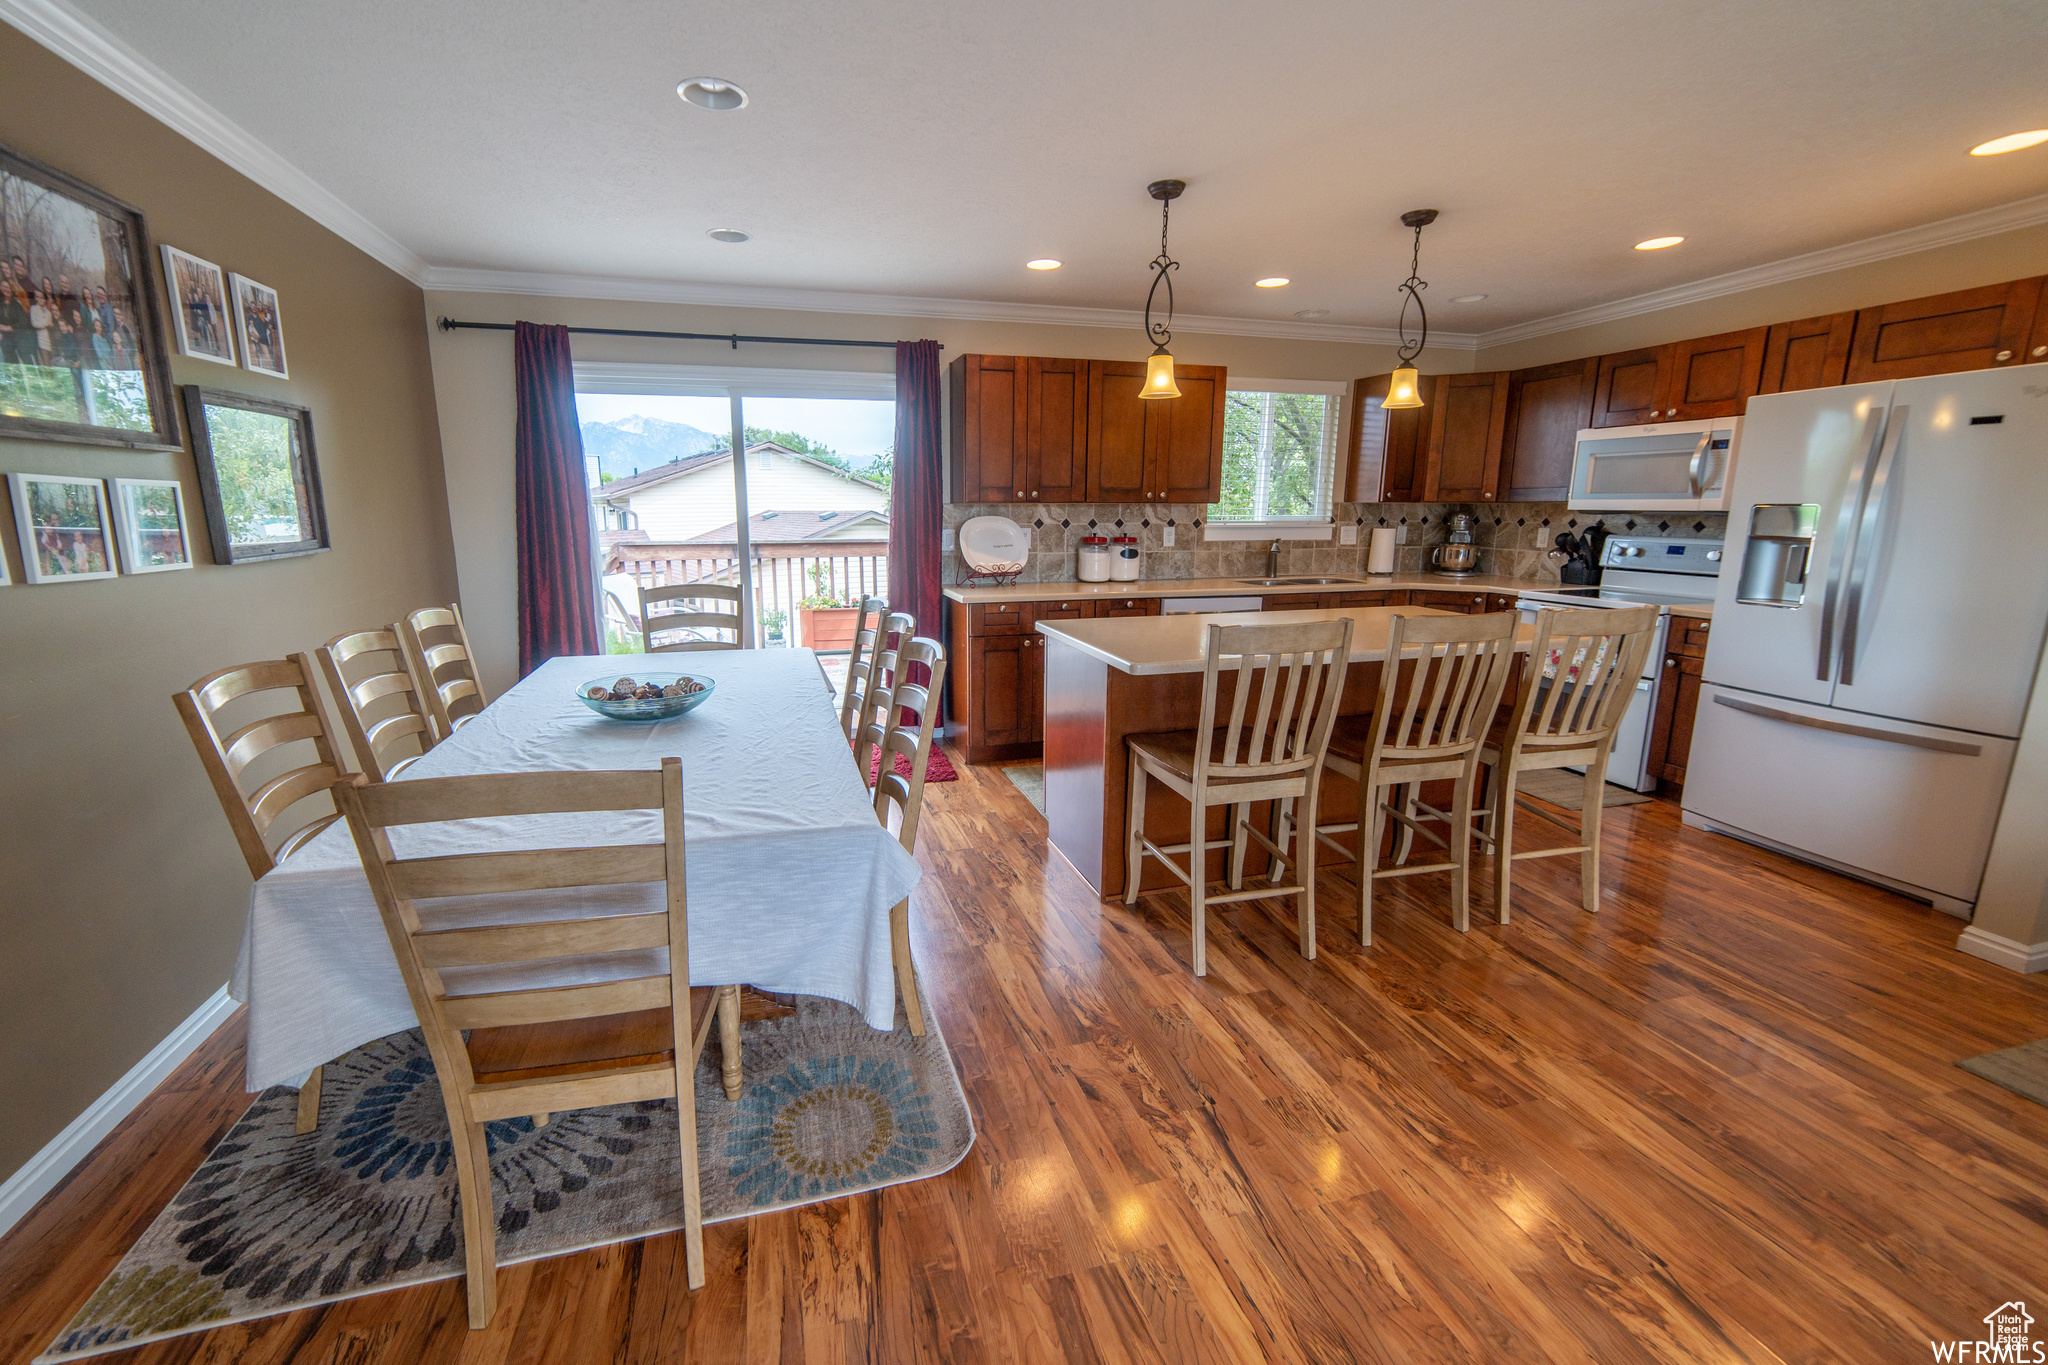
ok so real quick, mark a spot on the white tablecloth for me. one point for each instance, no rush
(790, 876)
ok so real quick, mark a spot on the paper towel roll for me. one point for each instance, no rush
(1379, 552)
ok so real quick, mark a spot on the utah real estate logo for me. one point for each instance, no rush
(2006, 1338)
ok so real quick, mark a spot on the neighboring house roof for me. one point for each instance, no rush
(789, 528)
(610, 537)
(675, 469)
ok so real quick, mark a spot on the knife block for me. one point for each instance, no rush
(1574, 574)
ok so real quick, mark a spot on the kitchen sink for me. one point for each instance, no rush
(1299, 582)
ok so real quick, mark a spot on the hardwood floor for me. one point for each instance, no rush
(1718, 1121)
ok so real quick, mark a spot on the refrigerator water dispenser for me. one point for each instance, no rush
(1774, 562)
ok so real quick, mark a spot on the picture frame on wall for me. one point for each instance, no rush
(150, 525)
(200, 315)
(258, 326)
(259, 479)
(66, 533)
(82, 357)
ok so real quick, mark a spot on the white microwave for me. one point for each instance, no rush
(1664, 467)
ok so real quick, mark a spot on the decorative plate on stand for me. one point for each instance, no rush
(994, 548)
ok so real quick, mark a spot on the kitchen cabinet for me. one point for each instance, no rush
(1005, 690)
(1468, 421)
(1812, 353)
(1678, 698)
(1548, 406)
(996, 684)
(1387, 451)
(1019, 428)
(1128, 606)
(1630, 388)
(1971, 329)
(1160, 450)
(1470, 603)
(1353, 599)
(1682, 381)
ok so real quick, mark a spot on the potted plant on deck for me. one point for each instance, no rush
(827, 620)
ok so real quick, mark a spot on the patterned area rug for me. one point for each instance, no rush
(2022, 1069)
(1028, 778)
(367, 1202)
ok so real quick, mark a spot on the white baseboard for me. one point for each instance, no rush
(2018, 957)
(26, 1187)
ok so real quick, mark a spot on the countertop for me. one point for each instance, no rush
(1147, 645)
(1235, 587)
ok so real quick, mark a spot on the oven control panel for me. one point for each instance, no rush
(1658, 554)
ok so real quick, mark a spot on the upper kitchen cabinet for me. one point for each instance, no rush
(1468, 422)
(1162, 450)
(1548, 405)
(1630, 388)
(1972, 329)
(1019, 427)
(1812, 353)
(1387, 450)
(1712, 376)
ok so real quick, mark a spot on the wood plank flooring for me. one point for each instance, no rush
(1719, 1121)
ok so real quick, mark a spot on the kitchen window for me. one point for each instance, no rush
(1279, 459)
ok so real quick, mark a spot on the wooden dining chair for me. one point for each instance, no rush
(696, 622)
(437, 650)
(904, 795)
(1439, 689)
(1582, 677)
(898, 628)
(1297, 672)
(378, 732)
(866, 636)
(255, 814)
(500, 1050)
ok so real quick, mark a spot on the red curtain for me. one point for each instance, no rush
(917, 494)
(551, 512)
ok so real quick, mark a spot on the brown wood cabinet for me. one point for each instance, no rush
(1812, 353)
(1682, 381)
(1387, 450)
(1548, 406)
(1971, 329)
(988, 463)
(996, 683)
(1630, 388)
(1164, 450)
(1678, 698)
(1469, 602)
(1468, 422)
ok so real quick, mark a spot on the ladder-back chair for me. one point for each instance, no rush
(1439, 688)
(254, 814)
(898, 628)
(501, 1051)
(380, 741)
(697, 622)
(905, 794)
(1582, 676)
(444, 667)
(1297, 672)
(866, 637)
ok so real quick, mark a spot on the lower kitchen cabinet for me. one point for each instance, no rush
(1471, 603)
(996, 681)
(1678, 699)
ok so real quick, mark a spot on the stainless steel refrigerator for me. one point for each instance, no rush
(1877, 627)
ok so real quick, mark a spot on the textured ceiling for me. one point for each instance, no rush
(927, 149)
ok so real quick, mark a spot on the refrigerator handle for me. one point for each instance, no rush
(1845, 539)
(1863, 564)
(1699, 455)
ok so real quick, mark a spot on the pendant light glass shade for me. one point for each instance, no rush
(1159, 377)
(1404, 390)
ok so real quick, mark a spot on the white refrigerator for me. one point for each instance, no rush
(1877, 627)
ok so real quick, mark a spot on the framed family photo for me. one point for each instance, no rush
(82, 356)
(258, 477)
(256, 322)
(66, 535)
(199, 307)
(149, 524)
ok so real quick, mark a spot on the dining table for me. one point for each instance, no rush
(790, 877)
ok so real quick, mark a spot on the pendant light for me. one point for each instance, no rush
(1159, 368)
(1404, 390)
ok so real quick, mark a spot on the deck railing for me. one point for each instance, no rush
(782, 575)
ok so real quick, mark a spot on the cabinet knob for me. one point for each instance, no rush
(1020, 492)
(2003, 355)
(1671, 662)
(1034, 492)
(2038, 351)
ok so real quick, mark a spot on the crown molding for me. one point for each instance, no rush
(101, 55)
(462, 280)
(1947, 232)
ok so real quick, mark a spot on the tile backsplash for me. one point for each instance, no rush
(1514, 538)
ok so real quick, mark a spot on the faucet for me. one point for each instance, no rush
(1273, 558)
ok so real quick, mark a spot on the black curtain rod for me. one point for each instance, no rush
(450, 324)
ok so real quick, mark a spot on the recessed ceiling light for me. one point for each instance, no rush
(1313, 313)
(1042, 263)
(1468, 298)
(709, 92)
(2011, 143)
(1658, 243)
(728, 235)
(1270, 282)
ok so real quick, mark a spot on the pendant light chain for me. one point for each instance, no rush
(1160, 333)
(1412, 288)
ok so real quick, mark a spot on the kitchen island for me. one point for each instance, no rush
(1111, 677)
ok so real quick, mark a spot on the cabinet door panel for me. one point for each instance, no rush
(1387, 449)
(1056, 429)
(1002, 689)
(1116, 432)
(1713, 376)
(1630, 389)
(1547, 408)
(1129, 606)
(991, 427)
(1465, 437)
(1062, 611)
(1189, 466)
(1967, 330)
(1470, 603)
(1812, 353)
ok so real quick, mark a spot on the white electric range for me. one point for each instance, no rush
(1639, 571)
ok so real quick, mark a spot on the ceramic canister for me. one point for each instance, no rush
(1124, 559)
(1093, 566)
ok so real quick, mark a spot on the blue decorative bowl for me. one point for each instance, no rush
(653, 708)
